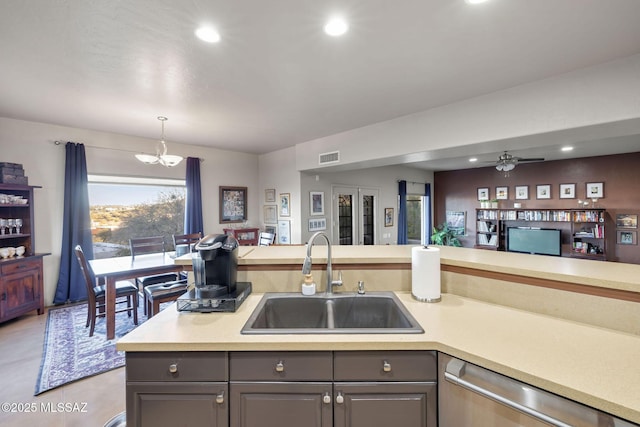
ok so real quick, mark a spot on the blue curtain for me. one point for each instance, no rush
(427, 213)
(193, 207)
(76, 227)
(402, 213)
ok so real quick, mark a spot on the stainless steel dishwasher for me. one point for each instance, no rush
(473, 396)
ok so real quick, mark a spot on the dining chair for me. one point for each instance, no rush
(162, 292)
(182, 242)
(265, 239)
(149, 245)
(125, 292)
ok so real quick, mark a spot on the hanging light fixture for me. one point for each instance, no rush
(161, 156)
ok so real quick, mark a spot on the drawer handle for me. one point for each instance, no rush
(386, 366)
(220, 398)
(280, 366)
(326, 398)
(340, 398)
(173, 368)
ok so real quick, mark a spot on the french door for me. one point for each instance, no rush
(354, 211)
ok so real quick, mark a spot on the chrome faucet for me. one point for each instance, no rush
(306, 266)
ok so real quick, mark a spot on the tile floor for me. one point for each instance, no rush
(20, 354)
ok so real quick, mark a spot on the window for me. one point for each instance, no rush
(414, 218)
(126, 207)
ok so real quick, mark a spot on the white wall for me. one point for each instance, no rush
(31, 144)
(591, 99)
(385, 179)
(277, 170)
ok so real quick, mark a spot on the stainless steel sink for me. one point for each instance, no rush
(292, 313)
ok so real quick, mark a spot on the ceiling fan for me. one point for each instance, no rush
(507, 162)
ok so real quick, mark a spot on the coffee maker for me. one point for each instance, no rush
(215, 269)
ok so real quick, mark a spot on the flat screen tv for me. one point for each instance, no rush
(539, 241)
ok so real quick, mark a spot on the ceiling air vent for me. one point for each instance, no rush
(333, 157)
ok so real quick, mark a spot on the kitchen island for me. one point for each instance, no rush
(591, 364)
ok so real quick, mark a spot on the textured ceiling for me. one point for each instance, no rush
(276, 79)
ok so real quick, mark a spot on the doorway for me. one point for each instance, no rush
(354, 210)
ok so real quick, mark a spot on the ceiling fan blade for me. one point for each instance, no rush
(533, 159)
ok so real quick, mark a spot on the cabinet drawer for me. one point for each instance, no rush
(281, 366)
(19, 266)
(385, 366)
(177, 366)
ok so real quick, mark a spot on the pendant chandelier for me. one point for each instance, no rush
(161, 156)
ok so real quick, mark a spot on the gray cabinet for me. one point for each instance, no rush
(274, 389)
(385, 388)
(323, 389)
(288, 388)
(177, 388)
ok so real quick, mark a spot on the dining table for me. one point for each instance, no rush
(115, 269)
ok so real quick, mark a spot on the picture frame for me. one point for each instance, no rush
(543, 191)
(522, 192)
(567, 191)
(316, 203)
(233, 204)
(317, 224)
(595, 190)
(483, 193)
(285, 204)
(284, 232)
(388, 217)
(502, 193)
(627, 220)
(270, 195)
(625, 237)
(270, 214)
(457, 222)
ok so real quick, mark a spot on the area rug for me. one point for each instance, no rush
(69, 354)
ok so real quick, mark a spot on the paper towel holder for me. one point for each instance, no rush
(426, 299)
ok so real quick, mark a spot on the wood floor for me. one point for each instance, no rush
(101, 396)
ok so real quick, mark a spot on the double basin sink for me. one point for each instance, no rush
(341, 313)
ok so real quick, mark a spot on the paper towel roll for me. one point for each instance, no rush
(425, 273)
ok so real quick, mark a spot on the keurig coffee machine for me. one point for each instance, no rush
(215, 269)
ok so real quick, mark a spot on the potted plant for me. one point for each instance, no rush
(443, 235)
(494, 204)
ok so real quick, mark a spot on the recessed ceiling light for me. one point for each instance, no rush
(473, 159)
(474, 1)
(208, 34)
(567, 148)
(336, 27)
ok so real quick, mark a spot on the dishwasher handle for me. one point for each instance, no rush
(454, 372)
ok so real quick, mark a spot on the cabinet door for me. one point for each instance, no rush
(385, 404)
(20, 293)
(281, 404)
(177, 404)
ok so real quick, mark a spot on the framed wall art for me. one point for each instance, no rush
(284, 232)
(543, 191)
(270, 214)
(502, 193)
(233, 204)
(457, 222)
(483, 193)
(595, 190)
(627, 220)
(627, 237)
(316, 203)
(270, 195)
(567, 191)
(388, 217)
(522, 192)
(317, 224)
(285, 204)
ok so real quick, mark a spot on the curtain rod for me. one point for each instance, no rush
(104, 148)
(412, 182)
